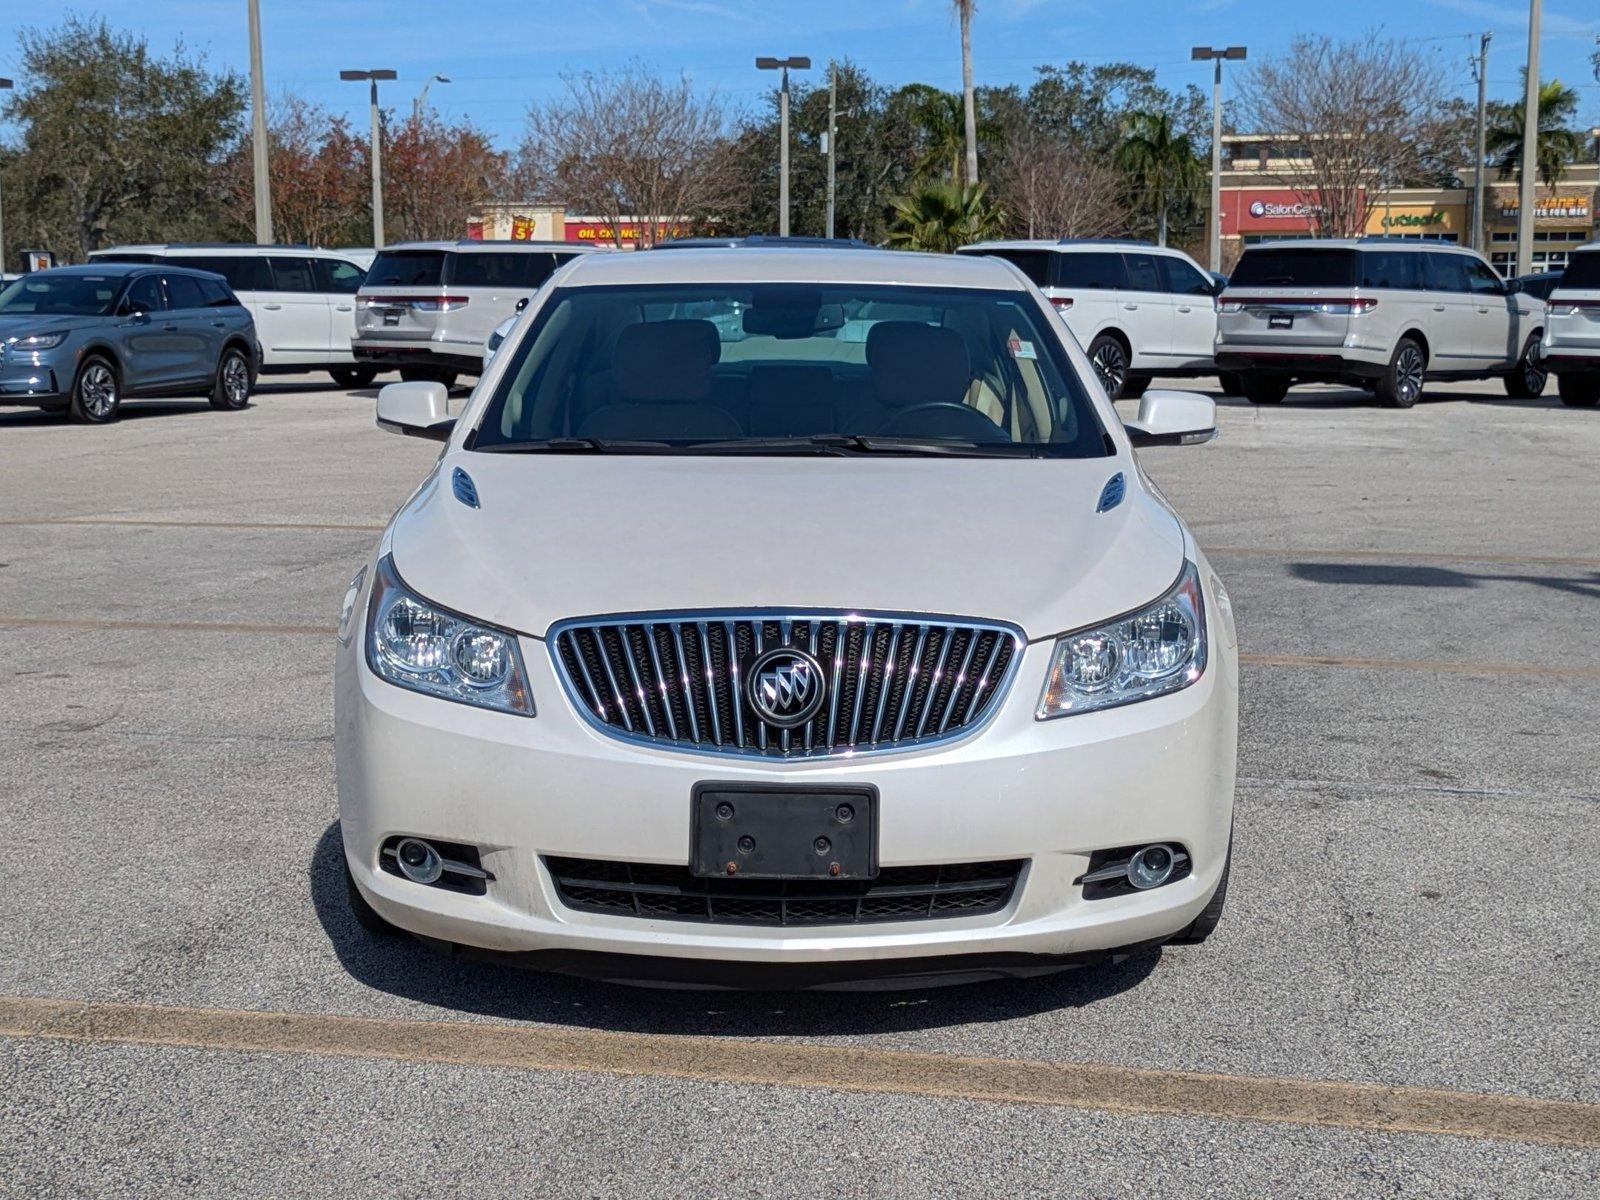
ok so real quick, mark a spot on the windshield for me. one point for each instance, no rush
(773, 367)
(65, 295)
(1583, 271)
(1295, 268)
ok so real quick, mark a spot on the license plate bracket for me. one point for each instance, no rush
(780, 831)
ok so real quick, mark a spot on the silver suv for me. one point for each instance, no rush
(1572, 341)
(428, 308)
(1379, 313)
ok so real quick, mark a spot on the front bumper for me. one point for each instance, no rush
(33, 378)
(1049, 792)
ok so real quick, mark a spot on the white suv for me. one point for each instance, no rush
(788, 616)
(429, 308)
(1139, 310)
(303, 300)
(1572, 332)
(1381, 313)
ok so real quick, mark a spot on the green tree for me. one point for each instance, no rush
(939, 217)
(117, 143)
(1558, 145)
(1161, 164)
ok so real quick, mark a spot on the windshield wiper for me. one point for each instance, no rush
(858, 443)
(576, 445)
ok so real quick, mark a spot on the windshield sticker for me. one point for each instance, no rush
(1020, 348)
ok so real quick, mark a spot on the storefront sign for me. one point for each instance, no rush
(598, 231)
(1552, 208)
(1267, 210)
(1406, 220)
(521, 229)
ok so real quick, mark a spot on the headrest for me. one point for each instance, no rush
(666, 360)
(913, 363)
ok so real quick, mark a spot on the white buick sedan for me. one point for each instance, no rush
(788, 617)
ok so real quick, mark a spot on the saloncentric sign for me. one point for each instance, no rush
(1268, 210)
(1295, 211)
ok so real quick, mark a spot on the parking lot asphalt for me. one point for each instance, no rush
(1414, 902)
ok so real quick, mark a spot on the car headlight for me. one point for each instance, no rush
(417, 645)
(1159, 649)
(37, 341)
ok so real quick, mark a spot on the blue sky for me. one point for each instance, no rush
(502, 53)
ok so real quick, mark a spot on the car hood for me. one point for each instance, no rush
(558, 537)
(27, 324)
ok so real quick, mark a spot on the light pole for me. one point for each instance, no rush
(373, 77)
(1530, 146)
(783, 64)
(4, 84)
(422, 96)
(1215, 56)
(1480, 68)
(258, 131)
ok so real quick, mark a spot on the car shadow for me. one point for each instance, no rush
(1410, 575)
(131, 410)
(403, 967)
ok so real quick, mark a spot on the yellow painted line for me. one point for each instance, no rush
(1444, 666)
(1402, 556)
(127, 522)
(1094, 1086)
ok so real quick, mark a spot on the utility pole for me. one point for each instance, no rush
(4, 84)
(783, 64)
(258, 131)
(1530, 146)
(1480, 68)
(833, 101)
(1201, 54)
(373, 76)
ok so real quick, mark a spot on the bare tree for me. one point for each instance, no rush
(630, 144)
(1347, 114)
(1051, 188)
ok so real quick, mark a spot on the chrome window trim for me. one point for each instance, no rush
(571, 688)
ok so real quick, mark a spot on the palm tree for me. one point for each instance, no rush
(1160, 162)
(941, 216)
(1557, 145)
(944, 142)
(965, 9)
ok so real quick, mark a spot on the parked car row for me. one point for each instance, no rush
(1384, 314)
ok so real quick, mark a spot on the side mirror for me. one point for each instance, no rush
(416, 410)
(523, 303)
(1513, 286)
(1218, 286)
(1173, 419)
(135, 314)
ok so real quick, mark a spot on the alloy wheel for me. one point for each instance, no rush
(1408, 367)
(97, 391)
(1112, 367)
(236, 380)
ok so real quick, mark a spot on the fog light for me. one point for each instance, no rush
(1151, 867)
(419, 862)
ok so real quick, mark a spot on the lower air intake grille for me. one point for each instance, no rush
(671, 893)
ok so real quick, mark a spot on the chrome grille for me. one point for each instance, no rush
(678, 680)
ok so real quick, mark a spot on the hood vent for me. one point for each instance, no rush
(1111, 495)
(467, 492)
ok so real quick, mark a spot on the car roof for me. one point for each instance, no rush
(488, 244)
(761, 264)
(1388, 242)
(762, 239)
(129, 268)
(222, 248)
(1067, 245)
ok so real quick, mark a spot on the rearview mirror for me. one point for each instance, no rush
(415, 409)
(1173, 419)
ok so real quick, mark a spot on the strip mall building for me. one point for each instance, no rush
(1256, 207)
(529, 221)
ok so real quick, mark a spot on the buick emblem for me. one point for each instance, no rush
(785, 687)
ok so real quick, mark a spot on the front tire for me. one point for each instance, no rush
(1579, 391)
(1400, 385)
(1203, 926)
(366, 916)
(1109, 358)
(353, 377)
(231, 390)
(1265, 389)
(1527, 378)
(96, 393)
